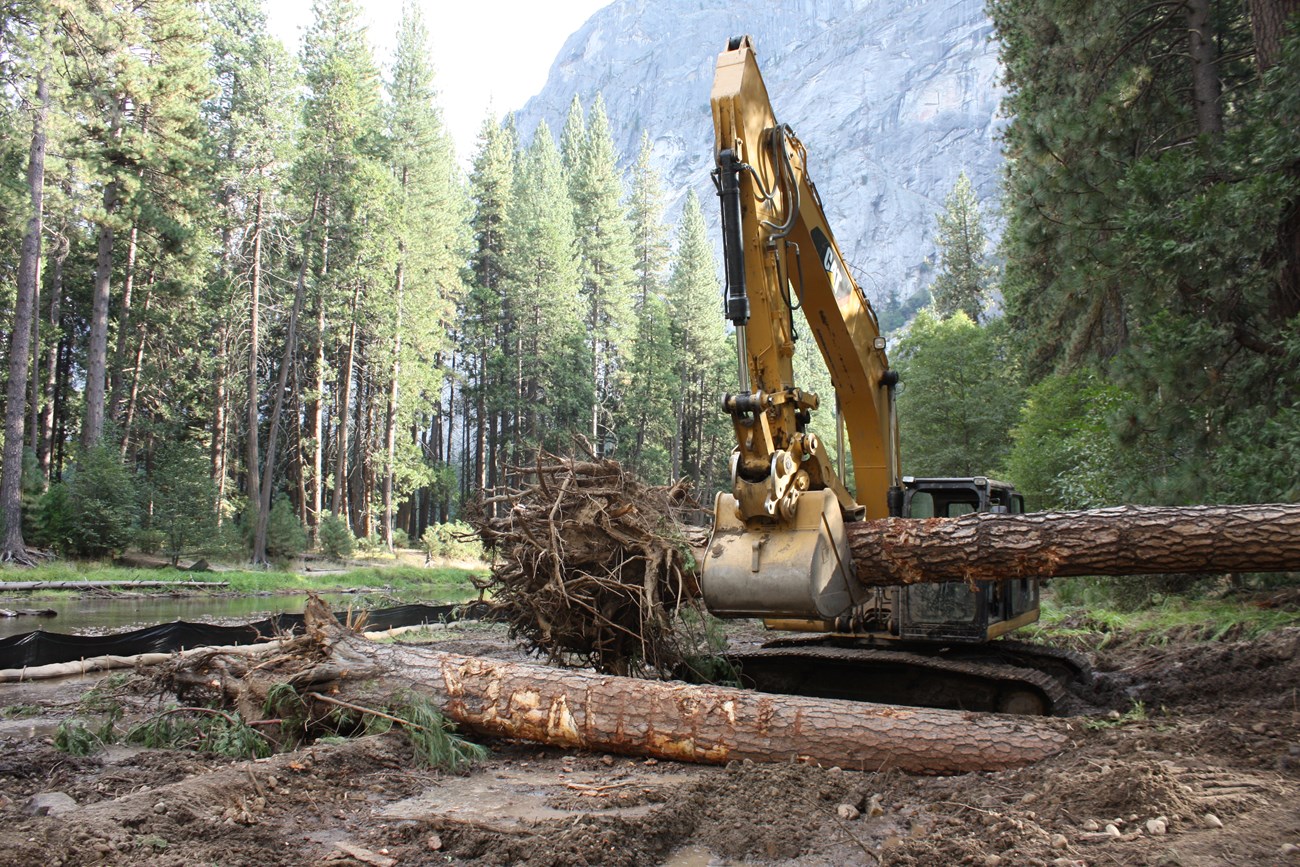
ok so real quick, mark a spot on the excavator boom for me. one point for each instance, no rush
(779, 548)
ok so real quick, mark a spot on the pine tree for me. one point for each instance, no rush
(965, 275)
(429, 223)
(491, 193)
(250, 122)
(605, 244)
(340, 161)
(645, 425)
(959, 398)
(699, 345)
(552, 390)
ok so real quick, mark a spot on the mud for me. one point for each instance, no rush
(1196, 729)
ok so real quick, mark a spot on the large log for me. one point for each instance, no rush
(1125, 540)
(583, 710)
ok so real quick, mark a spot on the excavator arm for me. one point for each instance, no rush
(779, 547)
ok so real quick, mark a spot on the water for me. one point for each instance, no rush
(98, 615)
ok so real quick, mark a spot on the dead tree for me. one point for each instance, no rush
(584, 710)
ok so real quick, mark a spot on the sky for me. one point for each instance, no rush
(488, 53)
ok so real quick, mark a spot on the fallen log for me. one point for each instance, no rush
(8, 586)
(1124, 540)
(584, 710)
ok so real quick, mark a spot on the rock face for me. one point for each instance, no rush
(894, 98)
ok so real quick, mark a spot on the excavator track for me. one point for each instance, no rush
(978, 678)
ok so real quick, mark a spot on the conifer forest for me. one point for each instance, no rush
(257, 294)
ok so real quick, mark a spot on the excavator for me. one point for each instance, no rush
(779, 549)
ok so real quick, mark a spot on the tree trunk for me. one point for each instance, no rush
(341, 401)
(252, 455)
(1124, 540)
(220, 426)
(582, 710)
(123, 326)
(15, 547)
(133, 394)
(390, 414)
(97, 352)
(54, 343)
(1203, 50)
(286, 362)
(1268, 21)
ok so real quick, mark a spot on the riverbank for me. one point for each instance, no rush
(395, 577)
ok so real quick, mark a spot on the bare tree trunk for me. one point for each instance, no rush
(582, 710)
(1124, 540)
(220, 426)
(316, 404)
(286, 361)
(1204, 53)
(133, 394)
(390, 415)
(45, 441)
(11, 479)
(123, 325)
(341, 400)
(97, 350)
(252, 455)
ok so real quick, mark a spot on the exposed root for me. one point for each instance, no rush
(23, 556)
(592, 565)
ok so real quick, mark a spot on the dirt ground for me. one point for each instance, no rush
(1206, 774)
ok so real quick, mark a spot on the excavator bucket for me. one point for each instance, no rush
(799, 569)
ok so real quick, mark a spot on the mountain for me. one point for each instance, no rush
(893, 98)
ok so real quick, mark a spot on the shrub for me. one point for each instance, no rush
(454, 540)
(150, 541)
(102, 502)
(401, 539)
(184, 499)
(336, 540)
(285, 536)
(51, 524)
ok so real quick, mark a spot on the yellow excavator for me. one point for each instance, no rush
(779, 549)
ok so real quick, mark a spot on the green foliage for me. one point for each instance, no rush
(454, 540)
(959, 397)
(336, 539)
(1063, 453)
(434, 736)
(183, 499)
(1085, 611)
(1150, 240)
(101, 502)
(285, 536)
(700, 353)
(201, 729)
(51, 520)
(965, 276)
(78, 737)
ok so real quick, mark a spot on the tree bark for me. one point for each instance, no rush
(1125, 540)
(1268, 19)
(15, 548)
(582, 710)
(1206, 88)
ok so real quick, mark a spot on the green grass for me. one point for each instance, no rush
(397, 578)
(1092, 622)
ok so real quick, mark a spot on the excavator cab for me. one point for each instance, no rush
(956, 612)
